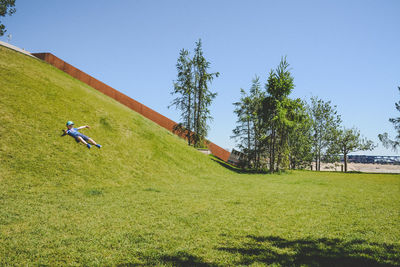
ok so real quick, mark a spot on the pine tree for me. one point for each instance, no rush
(194, 96)
(183, 88)
(277, 123)
(203, 96)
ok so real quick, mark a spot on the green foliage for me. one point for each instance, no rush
(184, 89)
(203, 95)
(280, 116)
(326, 121)
(146, 198)
(7, 7)
(248, 131)
(384, 138)
(271, 127)
(350, 140)
(300, 137)
(280, 81)
(193, 94)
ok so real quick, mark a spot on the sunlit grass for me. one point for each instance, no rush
(147, 198)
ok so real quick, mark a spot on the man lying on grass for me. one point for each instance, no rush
(79, 137)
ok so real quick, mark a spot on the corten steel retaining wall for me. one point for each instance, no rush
(123, 99)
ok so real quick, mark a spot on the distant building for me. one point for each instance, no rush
(236, 157)
(374, 159)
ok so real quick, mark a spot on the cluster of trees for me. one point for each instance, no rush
(276, 132)
(7, 7)
(193, 95)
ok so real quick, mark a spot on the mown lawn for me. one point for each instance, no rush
(146, 198)
(292, 219)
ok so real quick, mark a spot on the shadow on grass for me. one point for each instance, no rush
(235, 169)
(150, 189)
(180, 259)
(313, 252)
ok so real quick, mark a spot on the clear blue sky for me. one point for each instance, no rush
(344, 51)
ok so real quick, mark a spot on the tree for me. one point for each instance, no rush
(243, 132)
(194, 96)
(384, 138)
(257, 97)
(300, 138)
(349, 140)
(203, 96)
(7, 7)
(325, 122)
(276, 107)
(183, 88)
(289, 118)
(273, 126)
(248, 131)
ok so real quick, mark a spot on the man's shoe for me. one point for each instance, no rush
(88, 146)
(98, 145)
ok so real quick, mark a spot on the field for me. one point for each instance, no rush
(146, 198)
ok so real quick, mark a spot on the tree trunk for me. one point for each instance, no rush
(248, 142)
(272, 159)
(189, 118)
(196, 95)
(257, 148)
(292, 162)
(319, 161)
(270, 152)
(345, 161)
(195, 113)
(198, 117)
(280, 151)
(318, 167)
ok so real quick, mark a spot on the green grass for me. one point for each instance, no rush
(147, 198)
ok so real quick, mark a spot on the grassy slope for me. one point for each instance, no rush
(147, 198)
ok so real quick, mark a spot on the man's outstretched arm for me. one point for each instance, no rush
(82, 127)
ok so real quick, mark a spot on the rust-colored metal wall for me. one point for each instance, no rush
(123, 99)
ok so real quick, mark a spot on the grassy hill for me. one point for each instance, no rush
(147, 198)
